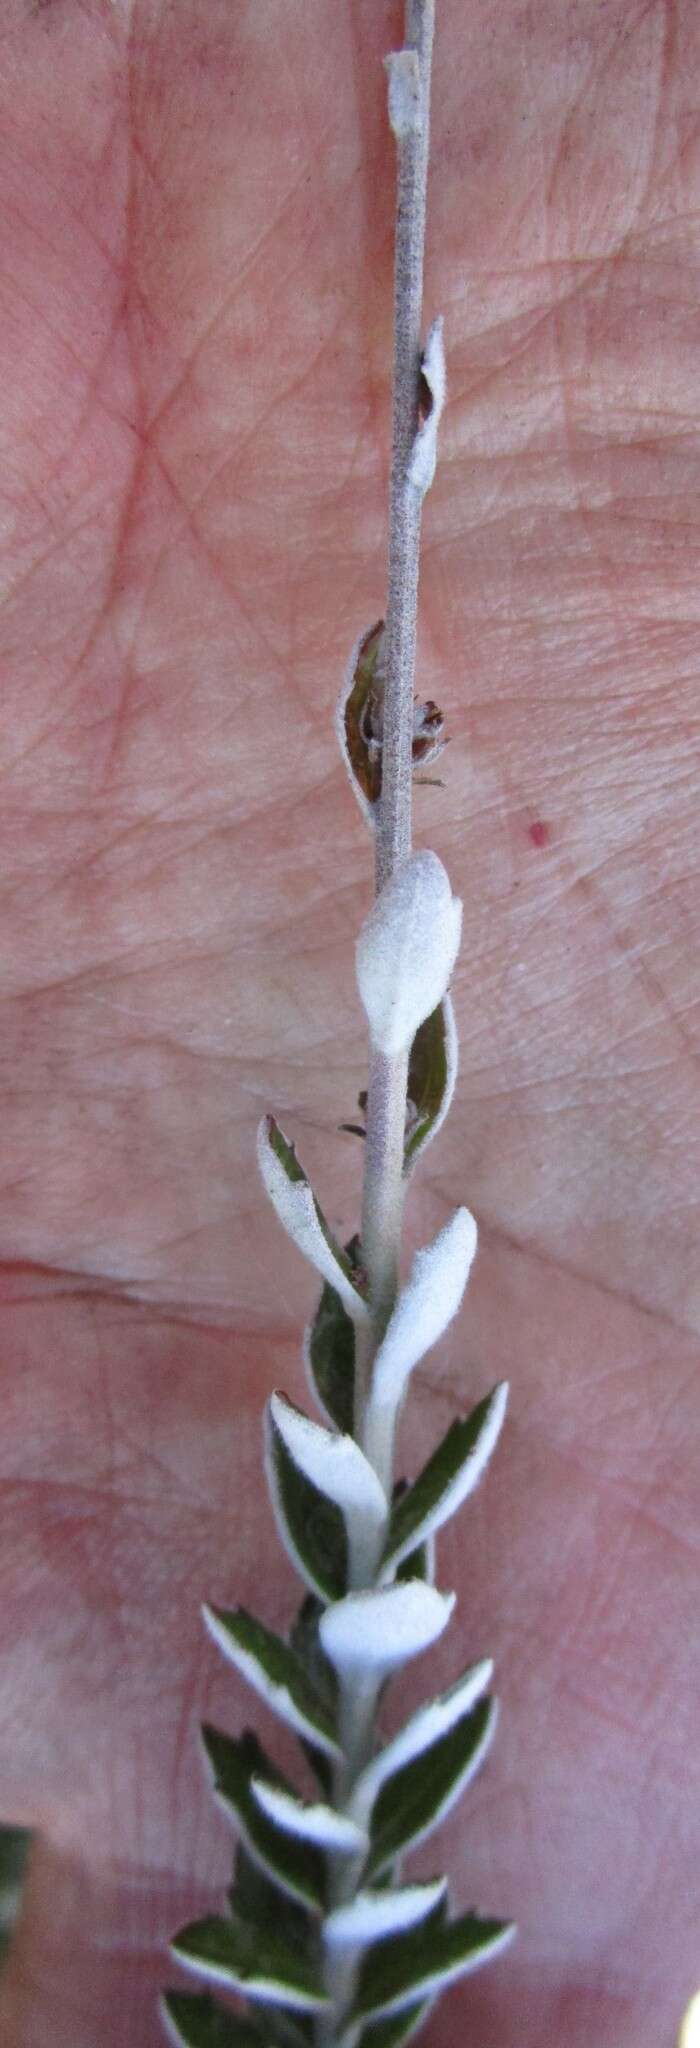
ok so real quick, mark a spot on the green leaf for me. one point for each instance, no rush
(307, 1646)
(447, 1479)
(419, 1563)
(15, 1844)
(329, 1349)
(419, 1795)
(311, 1526)
(359, 719)
(306, 1643)
(275, 1672)
(295, 1865)
(320, 1766)
(432, 1070)
(279, 2031)
(197, 2022)
(420, 1964)
(285, 1152)
(241, 1957)
(401, 2027)
(253, 1897)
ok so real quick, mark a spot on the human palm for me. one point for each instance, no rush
(195, 334)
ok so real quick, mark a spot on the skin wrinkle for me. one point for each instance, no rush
(491, 1232)
(94, 397)
(297, 383)
(61, 544)
(222, 312)
(113, 759)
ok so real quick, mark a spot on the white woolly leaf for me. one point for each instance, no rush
(298, 1211)
(424, 452)
(372, 1916)
(317, 1823)
(339, 1469)
(406, 951)
(425, 1307)
(375, 1632)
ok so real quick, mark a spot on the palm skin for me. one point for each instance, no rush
(195, 332)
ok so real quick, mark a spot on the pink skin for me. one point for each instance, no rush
(195, 337)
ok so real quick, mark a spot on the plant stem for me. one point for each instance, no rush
(382, 1203)
(382, 1209)
(394, 824)
(382, 1200)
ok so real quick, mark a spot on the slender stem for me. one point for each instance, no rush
(382, 1208)
(382, 1202)
(394, 826)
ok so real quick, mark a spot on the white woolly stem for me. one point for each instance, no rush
(382, 1208)
(383, 1190)
(378, 1440)
(412, 143)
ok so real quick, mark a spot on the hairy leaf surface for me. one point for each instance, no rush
(295, 1204)
(335, 1465)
